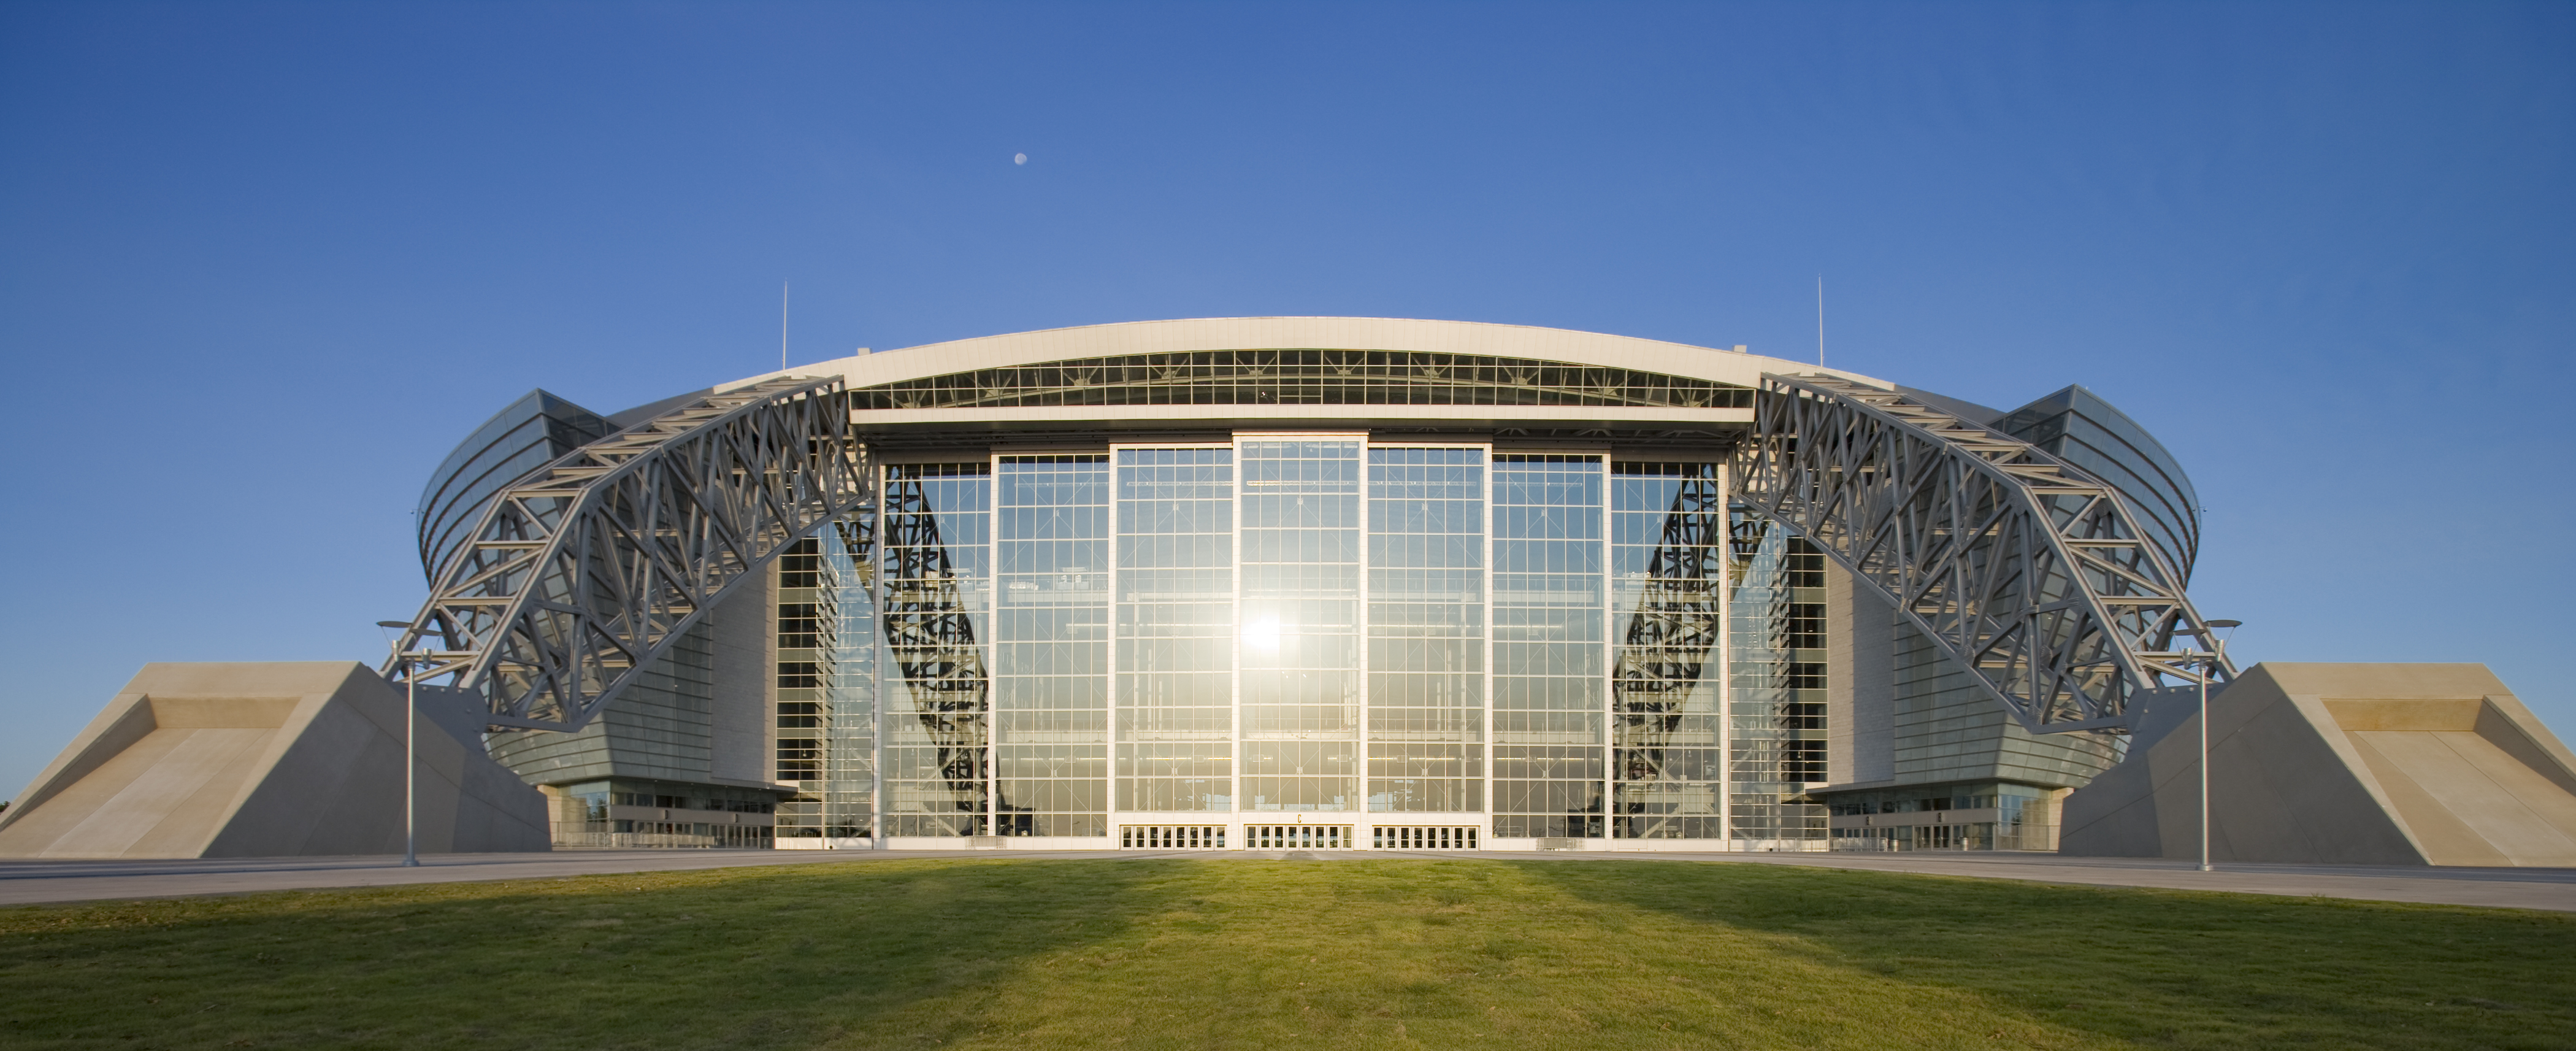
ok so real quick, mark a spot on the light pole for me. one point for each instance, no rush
(411, 724)
(2209, 664)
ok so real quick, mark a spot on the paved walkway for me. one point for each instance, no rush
(44, 882)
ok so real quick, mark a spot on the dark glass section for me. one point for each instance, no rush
(2076, 425)
(1975, 816)
(637, 813)
(533, 431)
(1300, 377)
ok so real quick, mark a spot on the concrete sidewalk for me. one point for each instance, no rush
(45, 882)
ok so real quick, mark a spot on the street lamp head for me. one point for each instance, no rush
(2214, 624)
(406, 623)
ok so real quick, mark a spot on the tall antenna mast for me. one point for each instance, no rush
(1820, 322)
(782, 328)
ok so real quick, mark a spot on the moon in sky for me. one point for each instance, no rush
(1019, 158)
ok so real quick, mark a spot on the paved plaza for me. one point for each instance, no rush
(46, 882)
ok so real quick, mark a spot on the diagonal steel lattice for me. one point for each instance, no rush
(930, 633)
(1675, 627)
(2027, 570)
(582, 572)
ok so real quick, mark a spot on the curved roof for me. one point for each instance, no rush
(1526, 343)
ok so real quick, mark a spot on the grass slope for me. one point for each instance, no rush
(1462, 953)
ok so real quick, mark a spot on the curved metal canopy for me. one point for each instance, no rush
(581, 573)
(2030, 572)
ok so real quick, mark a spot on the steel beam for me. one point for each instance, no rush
(583, 571)
(2028, 571)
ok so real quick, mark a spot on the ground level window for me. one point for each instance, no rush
(1423, 837)
(1297, 837)
(1172, 837)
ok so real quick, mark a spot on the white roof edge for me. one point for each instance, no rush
(1336, 333)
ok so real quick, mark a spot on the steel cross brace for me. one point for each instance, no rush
(2030, 572)
(583, 571)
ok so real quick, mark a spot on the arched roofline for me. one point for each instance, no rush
(1335, 333)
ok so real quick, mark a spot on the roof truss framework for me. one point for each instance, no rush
(581, 573)
(1300, 377)
(2028, 571)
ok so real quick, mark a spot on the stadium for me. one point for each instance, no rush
(1323, 583)
(1309, 579)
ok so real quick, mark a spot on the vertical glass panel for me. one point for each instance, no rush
(1174, 625)
(1550, 700)
(936, 567)
(806, 623)
(1776, 743)
(1051, 646)
(1668, 543)
(1299, 637)
(1426, 630)
(849, 757)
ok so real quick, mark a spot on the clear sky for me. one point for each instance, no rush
(263, 265)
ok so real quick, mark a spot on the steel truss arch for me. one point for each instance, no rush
(2028, 571)
(580, 573)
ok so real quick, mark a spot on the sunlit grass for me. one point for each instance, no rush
(1274, 955)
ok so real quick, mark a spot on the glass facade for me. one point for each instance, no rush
(824, 700)
(1778, 678)
(1550, 677)
(1455, 645)
(1991, 815)
(1300, 377)
(1051, 646)
(1668, 533)
(532, 432)
(2091, 433)
(634, 813)
(935, 562)
(1426, 630)
(1174, 629)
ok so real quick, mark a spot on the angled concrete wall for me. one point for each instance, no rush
(2381, 764)
(264, 760)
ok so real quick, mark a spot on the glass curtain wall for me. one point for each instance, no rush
(1776, 712)
(1667, 558)
(1299, 648)
(1174, 625)
(850, 702)
(938, 601)
(1550, 646)
(807, 638)
(1304, 624)
(1051, 646)
(1426, 630)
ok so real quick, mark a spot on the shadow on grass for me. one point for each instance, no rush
(2161, 968)
(738, 958)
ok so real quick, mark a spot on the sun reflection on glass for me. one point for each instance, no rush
(1262, 633)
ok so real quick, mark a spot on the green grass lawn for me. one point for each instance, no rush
(1462, 953)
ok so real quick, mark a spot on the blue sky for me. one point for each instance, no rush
(262, 265)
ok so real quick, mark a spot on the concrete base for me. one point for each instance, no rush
(2342, 764)
(265, 760)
